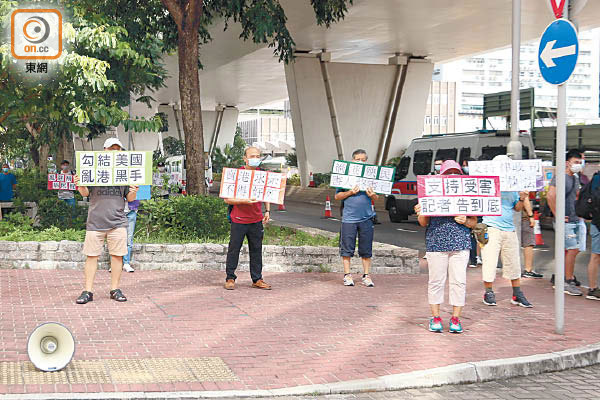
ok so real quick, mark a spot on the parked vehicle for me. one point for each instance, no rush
(422, 152)
(175, 166)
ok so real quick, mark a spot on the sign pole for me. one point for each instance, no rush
(559, 226)
(515, 147)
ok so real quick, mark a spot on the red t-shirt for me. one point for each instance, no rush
(247, 213)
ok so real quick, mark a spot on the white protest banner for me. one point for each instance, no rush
(265, 186)
(450, 195)
(515, 175)
(60, 181)
(346, 175)
(114, 168)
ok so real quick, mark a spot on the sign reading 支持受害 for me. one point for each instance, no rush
(247, 184)
(515, 175)
(114, 168)
(347, 175)
(449, 195)
(61, 182)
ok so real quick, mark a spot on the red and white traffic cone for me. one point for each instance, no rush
(183, 191)
(327, 208)
(537, 230)
(312, 181)
(281, 207)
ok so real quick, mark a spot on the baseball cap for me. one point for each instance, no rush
(502, 158)
(448, 165)
(112, 141)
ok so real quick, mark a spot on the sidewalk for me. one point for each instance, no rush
(180, 331)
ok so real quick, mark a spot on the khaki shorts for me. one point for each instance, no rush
(116, 238)
(505, 244)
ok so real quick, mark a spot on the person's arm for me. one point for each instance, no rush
(267, 216)
(551, 199)
(372, 194)
(529, 211)
(131, 196)
(237, 202)
(522, 196)
(83, 190)
(344, 195)
(469, 222)
(423, 220)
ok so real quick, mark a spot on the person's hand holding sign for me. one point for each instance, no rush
(461, 219)
(355, 189)
(131, 196)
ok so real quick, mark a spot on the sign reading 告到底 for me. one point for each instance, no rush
(114, 168)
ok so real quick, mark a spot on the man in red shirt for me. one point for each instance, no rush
(247, 221)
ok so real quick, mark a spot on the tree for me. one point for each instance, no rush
(185, 28)
(94, 79)
(292, 159)
(230, 156)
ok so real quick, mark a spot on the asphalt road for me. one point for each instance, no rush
(410, 234)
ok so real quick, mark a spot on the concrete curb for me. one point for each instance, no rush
(480, 371)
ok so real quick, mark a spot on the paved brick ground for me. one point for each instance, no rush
(309, 329)
(577, 384)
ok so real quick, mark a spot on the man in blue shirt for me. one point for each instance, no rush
(8, 183)
(357, 220)
(503, 241)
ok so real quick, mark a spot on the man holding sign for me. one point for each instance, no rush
(106, 220)
(503, 241)
(357, 220)
(247, 221)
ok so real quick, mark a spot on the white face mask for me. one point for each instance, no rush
(254, 162)
(576, 168)
(437, 168)
(161, 169)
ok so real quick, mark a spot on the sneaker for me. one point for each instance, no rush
(593, 294)
(489, 299)
(455, 325)
(348, 280)
(571, 289)
(366, 280)
(435, 325)
(479, 261)
(128, 268)
(472, 265)
(577, 283)
(531, 274)
(520, 300)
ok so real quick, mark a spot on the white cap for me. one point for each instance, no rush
(502, 157)
(112, 141)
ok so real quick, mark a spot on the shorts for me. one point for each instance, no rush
(350, 230)
(116, 238)
(572, 236)
(506, 245)
(595, 234)
(527, 234)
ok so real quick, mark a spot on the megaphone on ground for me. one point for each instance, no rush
(51, 346)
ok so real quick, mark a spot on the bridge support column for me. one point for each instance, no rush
(339, 107)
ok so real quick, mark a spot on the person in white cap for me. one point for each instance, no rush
(503, 241)
(106, 220)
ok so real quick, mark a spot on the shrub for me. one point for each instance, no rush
(293, 180)
(57, 213)
(183, 217)
(32, 185)
(322, 178)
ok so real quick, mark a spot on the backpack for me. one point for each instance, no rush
(588, 201)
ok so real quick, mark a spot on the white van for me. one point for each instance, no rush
(422, 153)
(175, 166)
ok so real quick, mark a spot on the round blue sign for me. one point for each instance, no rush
(558, 51)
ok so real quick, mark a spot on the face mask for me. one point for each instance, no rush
(4, 169)
(254, 162)
(576, 168)
(161, 169)
(437, 168)
(359, 161)
(466, 170)
(65, 168)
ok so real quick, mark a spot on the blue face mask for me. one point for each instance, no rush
(466, 170)
(254, 162)
(4, 169)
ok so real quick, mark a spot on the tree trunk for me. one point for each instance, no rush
(44, 150)
(66, 149)
(35, 155)
(191, 109)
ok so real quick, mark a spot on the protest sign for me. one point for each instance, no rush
(143, 192)
(61, 182)
(252, 184)
(515, 175)
(449, 195)
(114, 168)
(346, 175)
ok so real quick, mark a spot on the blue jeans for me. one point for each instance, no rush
(131, 217)
(70, 202)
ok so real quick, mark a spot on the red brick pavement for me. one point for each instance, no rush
(310, 329)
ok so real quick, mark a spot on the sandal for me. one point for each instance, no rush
(117, 295)
(85, 297)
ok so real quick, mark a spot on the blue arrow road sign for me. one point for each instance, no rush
(559, 48)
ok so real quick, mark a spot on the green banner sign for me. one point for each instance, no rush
(347, 175)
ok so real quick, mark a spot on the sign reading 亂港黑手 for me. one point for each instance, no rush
(347, 175)
(61, 182)
(114, 168)
(515, 175)
(245, 184)
(450, 195)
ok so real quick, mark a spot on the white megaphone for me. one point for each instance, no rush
(51, 346)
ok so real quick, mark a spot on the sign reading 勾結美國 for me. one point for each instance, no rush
(114, 168)
(451, 195)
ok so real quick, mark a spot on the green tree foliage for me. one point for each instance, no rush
(292, 159)
(230, 156)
